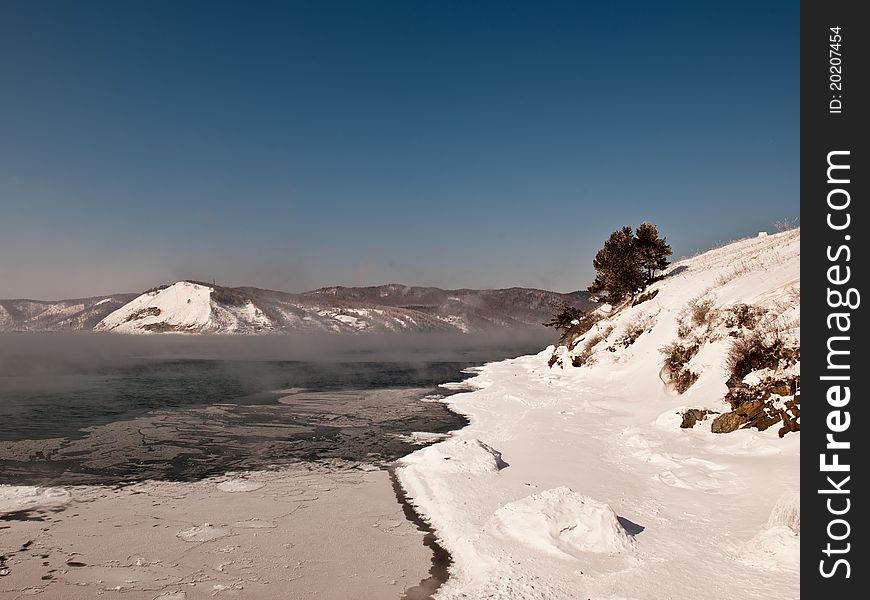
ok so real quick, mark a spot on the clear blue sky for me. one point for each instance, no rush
(290, 145)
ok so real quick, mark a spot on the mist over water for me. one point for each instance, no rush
(50, 354)
(103, 408)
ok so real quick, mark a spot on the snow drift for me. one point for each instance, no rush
(562, 523)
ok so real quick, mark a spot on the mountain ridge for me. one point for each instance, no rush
(210, 308)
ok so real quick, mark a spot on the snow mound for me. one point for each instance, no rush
(776, 548)
(19, 498)
(563, 523)
(787, 511)
(463, 456)
(239, 484)
(203, 533)
(420, 438)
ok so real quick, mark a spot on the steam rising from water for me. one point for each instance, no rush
(53, 354)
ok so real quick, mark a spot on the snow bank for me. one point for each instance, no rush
(239, 484)
(775, 548)
(19, 498)
(562, 523)
(692, 501)
(787, 511)
(461, 456)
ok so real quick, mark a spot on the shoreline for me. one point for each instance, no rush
(439, 572)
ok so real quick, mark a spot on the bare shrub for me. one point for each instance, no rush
(744, 316)
(677, 357)
(698, 311)
(741, 268)
(584, 356)
(634, 331)
(786, 224)
(752, 352)
(575, 334)
(702, 312)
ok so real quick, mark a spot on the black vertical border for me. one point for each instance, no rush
(823, 132)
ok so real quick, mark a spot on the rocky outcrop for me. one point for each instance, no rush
(692, 415)
(727, 422)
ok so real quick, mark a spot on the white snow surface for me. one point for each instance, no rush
(562, 523)
(184, 306)
(577, 482)
(20, 498)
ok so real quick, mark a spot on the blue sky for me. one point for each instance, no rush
(291, 145)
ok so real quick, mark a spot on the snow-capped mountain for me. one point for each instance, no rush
(196, 307)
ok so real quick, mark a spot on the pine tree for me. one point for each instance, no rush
(652, 250)
(618, 267)
(565, 318)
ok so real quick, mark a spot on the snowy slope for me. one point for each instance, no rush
(662, 511)
(61, 315)
(183, 307)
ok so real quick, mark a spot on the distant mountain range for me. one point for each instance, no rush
(196, 307)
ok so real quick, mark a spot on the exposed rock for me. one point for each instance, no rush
(727, 422)
(645, 296)
(750, 410)
(763, 420)
(693, 415)
(783, 389)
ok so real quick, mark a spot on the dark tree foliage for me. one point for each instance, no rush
(652, 250)
(618, 267)
(565, 318)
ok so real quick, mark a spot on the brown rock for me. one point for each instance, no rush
(763, 421)
(782, 389)
(750, 410)
(693, 415)
(727, 422)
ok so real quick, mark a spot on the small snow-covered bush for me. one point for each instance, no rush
(702, 311)
(677, 357)
(749, 353)
(786, 224)
(743, 316)
(584, 356)
(575, 335)
(634, 330)
(698, 312)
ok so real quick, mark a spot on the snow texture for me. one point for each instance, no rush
(23, 498)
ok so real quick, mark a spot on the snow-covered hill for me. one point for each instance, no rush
(196, 307)
(61, 315)
(592, 470)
